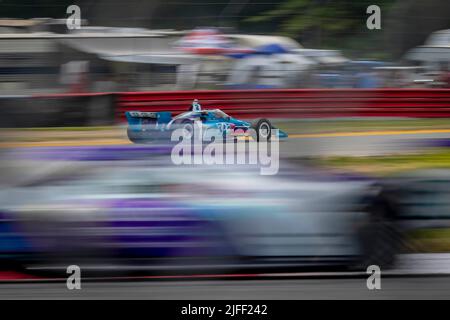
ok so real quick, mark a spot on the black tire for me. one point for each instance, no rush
(379, 236)
(189, 126)
(260, 126)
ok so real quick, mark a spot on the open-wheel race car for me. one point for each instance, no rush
(149, 126)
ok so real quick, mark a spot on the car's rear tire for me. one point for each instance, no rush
(262, 130)
(188, 125)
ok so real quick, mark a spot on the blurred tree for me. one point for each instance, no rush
(337, 24)
(25, 9)
(410, 22)
(323, 23)
(342, 24)
(173, 14)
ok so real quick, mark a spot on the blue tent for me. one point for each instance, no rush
(267, 49)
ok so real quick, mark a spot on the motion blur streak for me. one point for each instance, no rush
(363, 121)
(433, 288)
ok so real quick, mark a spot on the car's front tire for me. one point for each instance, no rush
(262, 130)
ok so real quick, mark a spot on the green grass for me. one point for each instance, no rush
(312, 125)
(438, 158)
(360, 125)
(295, 126)
(432, 240)
(309, 126)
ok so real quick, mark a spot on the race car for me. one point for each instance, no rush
(112, 217)
(150, 126)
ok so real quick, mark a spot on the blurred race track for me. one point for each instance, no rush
(359, 144)
(429, 284)
(318, 144)
(289, 289)
(416, 276)
(302, 145)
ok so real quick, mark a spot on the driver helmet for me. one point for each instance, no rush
(196, 106)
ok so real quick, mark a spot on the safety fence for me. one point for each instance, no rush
(109, 108)
(298, 103)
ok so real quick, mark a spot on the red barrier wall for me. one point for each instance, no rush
(297, 103)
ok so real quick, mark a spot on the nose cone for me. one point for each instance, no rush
(282, 134)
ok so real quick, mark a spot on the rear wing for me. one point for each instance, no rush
(137, 119)
(141, 114)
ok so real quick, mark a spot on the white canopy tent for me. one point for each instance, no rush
(435, 50)
(277, 70)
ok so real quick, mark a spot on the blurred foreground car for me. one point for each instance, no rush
(167, 218)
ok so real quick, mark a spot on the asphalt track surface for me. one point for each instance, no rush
(361, 144)
(288, 289)
(429, 285)
(416, 276)
(306, 145)
(323, 144)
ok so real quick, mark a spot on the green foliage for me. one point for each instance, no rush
(26, 9)
(332, 22)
